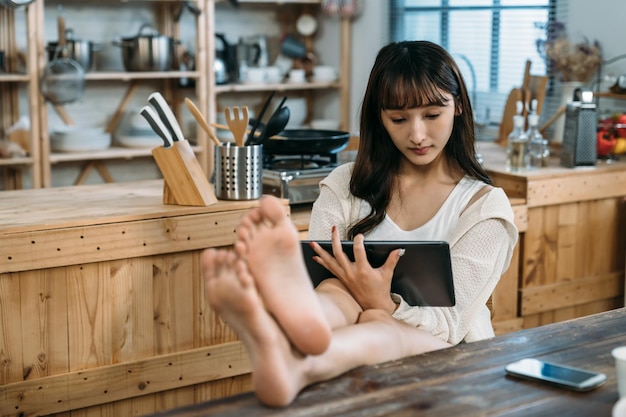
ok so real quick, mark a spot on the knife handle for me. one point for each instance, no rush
(157, 125)
(166, 115)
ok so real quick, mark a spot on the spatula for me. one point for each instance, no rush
(237, 122)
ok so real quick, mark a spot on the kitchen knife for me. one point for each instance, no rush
(157, 125)
(166, 115)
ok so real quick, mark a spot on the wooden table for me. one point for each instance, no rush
(466, 380)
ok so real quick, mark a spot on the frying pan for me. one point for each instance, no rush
(307, 142)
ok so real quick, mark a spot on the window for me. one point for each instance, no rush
(490, 40)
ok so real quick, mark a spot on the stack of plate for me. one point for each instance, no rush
(79, 139)
(135, 132)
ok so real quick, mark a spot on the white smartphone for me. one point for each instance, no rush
(564, 376)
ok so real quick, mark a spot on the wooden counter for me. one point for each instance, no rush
(464, 380)
(102, 303)
(572, 254)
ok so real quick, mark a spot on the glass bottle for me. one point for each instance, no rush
(517, 146)
(538, 149)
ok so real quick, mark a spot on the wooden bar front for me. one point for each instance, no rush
(572, 254)
(102, 303)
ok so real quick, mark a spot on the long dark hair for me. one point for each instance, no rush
(408, 74)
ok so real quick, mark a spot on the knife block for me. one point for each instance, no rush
(185, 184)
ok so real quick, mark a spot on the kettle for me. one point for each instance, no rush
(223, 63)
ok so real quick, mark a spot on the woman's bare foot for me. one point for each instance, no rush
(269, 242)
(232, 294)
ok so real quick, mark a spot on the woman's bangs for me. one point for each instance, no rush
(405, 91)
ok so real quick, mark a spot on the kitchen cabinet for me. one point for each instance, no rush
(110, 317)
(571, 257)
(18, 95)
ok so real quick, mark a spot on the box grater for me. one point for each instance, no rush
(579, 137)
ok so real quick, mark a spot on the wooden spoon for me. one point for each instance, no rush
(195, 111)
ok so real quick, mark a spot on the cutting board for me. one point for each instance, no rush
(510, 109)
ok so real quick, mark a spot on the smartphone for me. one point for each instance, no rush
(564, 376)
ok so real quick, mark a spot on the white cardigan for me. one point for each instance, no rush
(476, 267)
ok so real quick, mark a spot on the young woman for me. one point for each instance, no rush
(415, 178)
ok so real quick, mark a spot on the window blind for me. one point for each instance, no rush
(490, 40)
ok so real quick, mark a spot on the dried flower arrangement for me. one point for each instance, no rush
(575, 62)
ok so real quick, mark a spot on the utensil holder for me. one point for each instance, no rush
(185, 183)
(238, 172)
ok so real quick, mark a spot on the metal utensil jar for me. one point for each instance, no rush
(238, 172)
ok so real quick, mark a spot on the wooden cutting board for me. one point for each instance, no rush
(510, 109)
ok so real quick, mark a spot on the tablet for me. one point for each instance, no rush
(423, 275)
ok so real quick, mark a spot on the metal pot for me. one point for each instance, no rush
(307, 142)
(147, 51)
(79, 50)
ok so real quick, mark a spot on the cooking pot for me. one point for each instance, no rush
(307, 142)
(148, 51)
(79, 50)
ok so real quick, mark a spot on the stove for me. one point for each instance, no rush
(296, 178)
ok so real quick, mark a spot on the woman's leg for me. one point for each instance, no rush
(279, 371)
(270, 245)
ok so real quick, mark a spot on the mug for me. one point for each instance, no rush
(293, 48)
(273, 74)
(255, 75)
(324, 73)
(297, 75)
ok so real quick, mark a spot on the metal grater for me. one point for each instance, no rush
(579, 138)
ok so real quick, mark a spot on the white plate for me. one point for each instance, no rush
(62, 145)
(135, 141)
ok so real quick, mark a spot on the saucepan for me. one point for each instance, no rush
(307, 142)
(79, 50)
(148, 51)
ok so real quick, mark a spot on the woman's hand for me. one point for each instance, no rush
(369, 286)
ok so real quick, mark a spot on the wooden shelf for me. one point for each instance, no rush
(230, 88)
(15, 161)
(114, 152)
(608, 94)
(15, 78)
(129, 76)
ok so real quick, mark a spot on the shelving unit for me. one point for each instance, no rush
(24, 86)
(163, 10)
(12, 170)
(286, 13)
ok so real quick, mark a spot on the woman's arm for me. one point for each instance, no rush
(479, 258)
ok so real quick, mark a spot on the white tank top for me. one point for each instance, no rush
(440, 226)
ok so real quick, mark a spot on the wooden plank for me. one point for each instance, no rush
(570, 293)
(132, 325)
(61, 207)
(508, 326)
(106, 384)
(574, 188)
(125, 240)
(90, 343)
(506, 294)
(569, 313)
(11, 342)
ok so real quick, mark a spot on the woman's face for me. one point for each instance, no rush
(421, 133)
